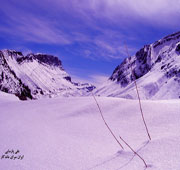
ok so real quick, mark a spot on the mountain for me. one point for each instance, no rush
(36, 76)
(156, 69)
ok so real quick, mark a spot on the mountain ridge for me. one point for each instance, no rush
(156, 69)
(36, 75)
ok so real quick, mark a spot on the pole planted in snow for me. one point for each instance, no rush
(100, 111)
(140, 106)
(134, 151)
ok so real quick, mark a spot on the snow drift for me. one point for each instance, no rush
(69, 134)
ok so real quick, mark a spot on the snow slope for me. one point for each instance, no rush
(155, 67)
(41, 75)
(7, 97)
(68, 134)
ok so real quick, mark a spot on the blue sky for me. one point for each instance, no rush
(87, 35)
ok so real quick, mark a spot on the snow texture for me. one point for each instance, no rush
(156, 69)
(69, 134)
(36, 76)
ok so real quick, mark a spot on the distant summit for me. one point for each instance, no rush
(37, 75)
(156, 68)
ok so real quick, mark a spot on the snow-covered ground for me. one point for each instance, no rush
(7, 97)
(69, 134)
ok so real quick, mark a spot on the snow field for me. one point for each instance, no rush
(69, 134)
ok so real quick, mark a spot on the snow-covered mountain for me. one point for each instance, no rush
(36, 75)
(156, 68)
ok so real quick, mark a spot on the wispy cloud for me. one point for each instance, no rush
(99, 27)
(109, 45)
(35, 29)
(120, 10)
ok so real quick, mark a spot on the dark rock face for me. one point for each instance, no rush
(22, 59)
(25, 93)
(14, 53)
(90, 88)
(44, 58)
(141, 64)
(68, 78)
(178, 48)
(48, 59)
(10, 83)
(41, 58)
(121, 74)
(174, 36)
(173, 72)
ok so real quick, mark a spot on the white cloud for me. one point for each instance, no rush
(36, 30)
(161, 12)
(100, 28)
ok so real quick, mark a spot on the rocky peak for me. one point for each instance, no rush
(45, 59)
(41, 58)
(156, 67)
(178, 48)
(140, 63)
(145, 59)
(168, 38)
(36, 75)
(12, 54)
